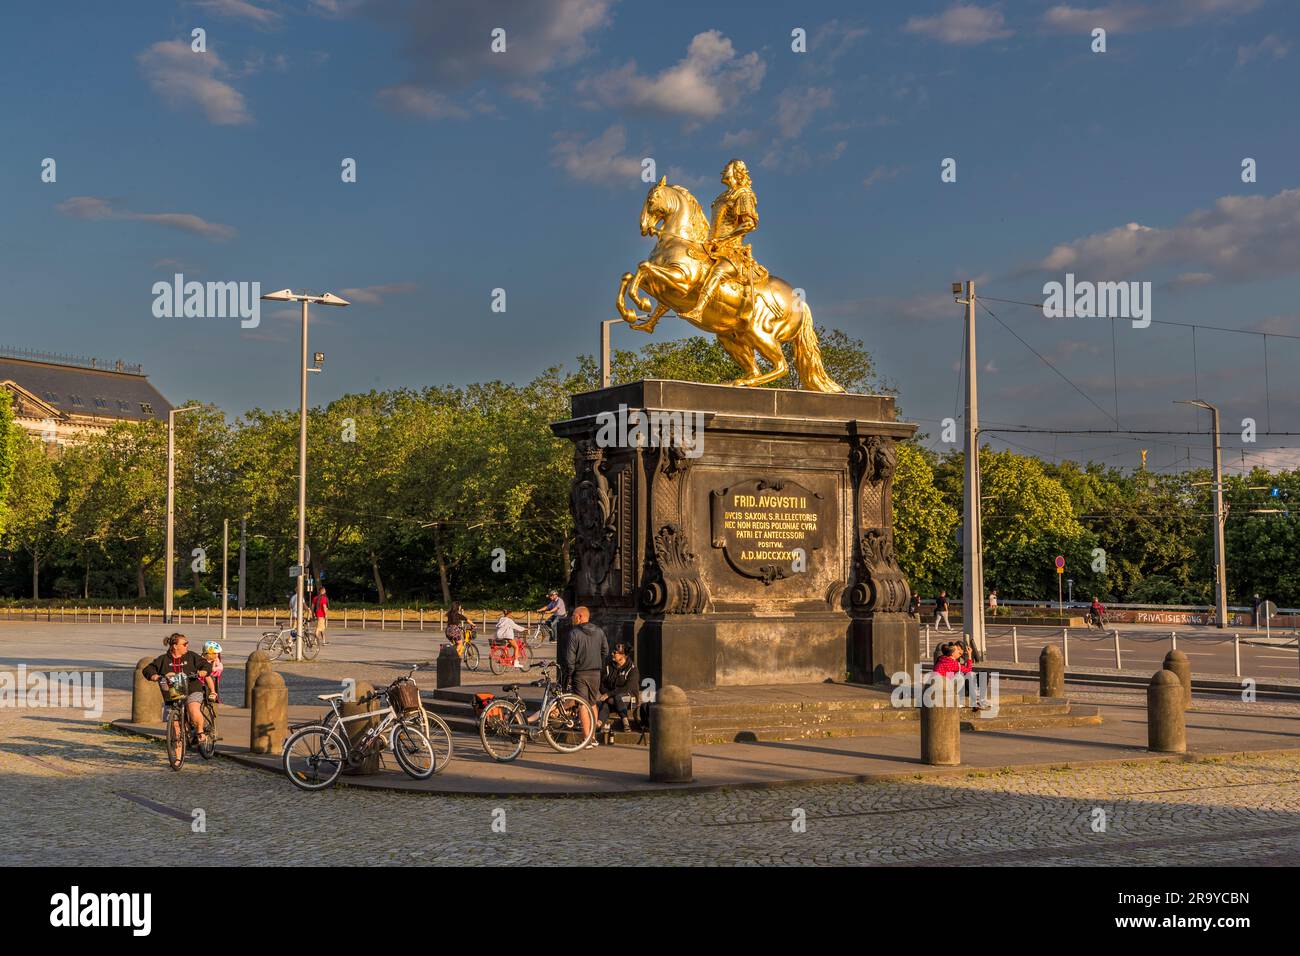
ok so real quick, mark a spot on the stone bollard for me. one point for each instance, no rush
(1166, 726)
(1051, 672)
(1177, 662)
(356, 729)
(146, 700)
(940, 723)
(671, 736)
(268, 723)
(448, 667)
(258, 664)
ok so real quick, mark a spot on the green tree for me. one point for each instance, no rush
(924, 522)
(33, 493)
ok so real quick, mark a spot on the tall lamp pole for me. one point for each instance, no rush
(1220, 560)
(328, 298)
(972, 578)
(170, 565)
(604, 350)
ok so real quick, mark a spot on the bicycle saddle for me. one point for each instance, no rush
(509, 688)
(329, 697)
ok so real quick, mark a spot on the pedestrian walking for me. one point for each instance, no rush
(320, 607)
(941, 611)
(584, 657)
(914, 606)
(993, 601)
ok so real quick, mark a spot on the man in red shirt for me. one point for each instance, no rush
(320, 609)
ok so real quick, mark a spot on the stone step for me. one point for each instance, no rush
(870, 716)
(802, 732)
(1076, 716)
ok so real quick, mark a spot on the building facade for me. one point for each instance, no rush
(64, 399)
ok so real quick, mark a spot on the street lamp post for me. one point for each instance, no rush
(328, 298)
(1220, 563)
(972, 535)
(604, 350)
(170, 565)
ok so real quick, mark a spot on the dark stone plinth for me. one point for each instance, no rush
(747, 539)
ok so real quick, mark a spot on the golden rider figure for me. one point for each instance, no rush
(735, 213)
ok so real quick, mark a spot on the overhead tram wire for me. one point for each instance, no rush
(1185, 325)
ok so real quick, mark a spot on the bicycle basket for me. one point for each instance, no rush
(174, 687)
(480, 702)
(404, 695)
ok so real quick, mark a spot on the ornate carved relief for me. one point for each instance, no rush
(593, 504)
(672, 582)
(879, 583)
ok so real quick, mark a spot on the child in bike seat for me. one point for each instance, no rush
(212, 654)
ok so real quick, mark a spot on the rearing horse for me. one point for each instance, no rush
(672, 276)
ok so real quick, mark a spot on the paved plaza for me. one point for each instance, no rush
(81, 793)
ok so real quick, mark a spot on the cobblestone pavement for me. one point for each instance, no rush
(74, 793)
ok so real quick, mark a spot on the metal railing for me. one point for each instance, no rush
(398, 619)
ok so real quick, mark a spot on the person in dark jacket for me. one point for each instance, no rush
(180, 666)
(620, 688)
(583, 659)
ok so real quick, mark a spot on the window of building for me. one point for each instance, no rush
(100, 403)
(146, 407)
(123, 406)
(75, 400)
(51, 397)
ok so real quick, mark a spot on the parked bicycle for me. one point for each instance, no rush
(280, 642)
(316, 754)
(404, 698)
(504, 726)
(181, 730)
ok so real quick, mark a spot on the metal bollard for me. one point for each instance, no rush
(1166, 725)
(1118, 664)
(1065, 645)
(268, 723)
(927, 641)
(1236, 653)
(1015, 645)
(940, 723)
(671, 735)
(145, 698)
(1173, 640)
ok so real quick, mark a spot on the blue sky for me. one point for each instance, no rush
(521, 170)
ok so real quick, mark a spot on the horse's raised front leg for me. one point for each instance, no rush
(649, 323)
(634, 290)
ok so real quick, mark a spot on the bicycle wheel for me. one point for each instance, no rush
(176, 728)
(272, 644)
(310, 647)
(538, 634)
(413, 751)
(562, 725)
(209, 747)
(314, 757)
(471, 657)
(497, 661)
(502, 730)
(439, 734)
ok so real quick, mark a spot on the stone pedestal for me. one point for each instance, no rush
(739, 535)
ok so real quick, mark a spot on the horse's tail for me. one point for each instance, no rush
(808, 357)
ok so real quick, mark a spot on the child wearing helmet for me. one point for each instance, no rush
(212, 654)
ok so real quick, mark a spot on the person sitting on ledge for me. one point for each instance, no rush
(620, 689)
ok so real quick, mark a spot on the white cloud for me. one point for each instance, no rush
(95, 208)
(880, 174)
(711, 79)
(417, 101)
(184, 78)
(240, 10)
(375, 294)
(1269, 47)
(963, 24)
(600, 160)
(795, 108)
(1133, 17)
(1237, 239)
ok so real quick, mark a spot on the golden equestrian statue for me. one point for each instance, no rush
(706, 273)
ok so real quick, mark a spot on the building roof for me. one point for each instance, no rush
(78, 391)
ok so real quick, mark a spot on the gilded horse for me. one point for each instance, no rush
(744, 323)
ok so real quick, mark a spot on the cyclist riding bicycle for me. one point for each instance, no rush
(507, 628)
(554, 609)
(1097, 613)
(180, 669)
(459, 629)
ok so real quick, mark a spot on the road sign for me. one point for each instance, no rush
(1060, 570)
(1060, 563)
(295, 571)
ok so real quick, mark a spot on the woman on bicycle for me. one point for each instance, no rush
(180, 665)
(507, 628)
(459, 628)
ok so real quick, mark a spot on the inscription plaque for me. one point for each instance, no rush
(763, 524)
